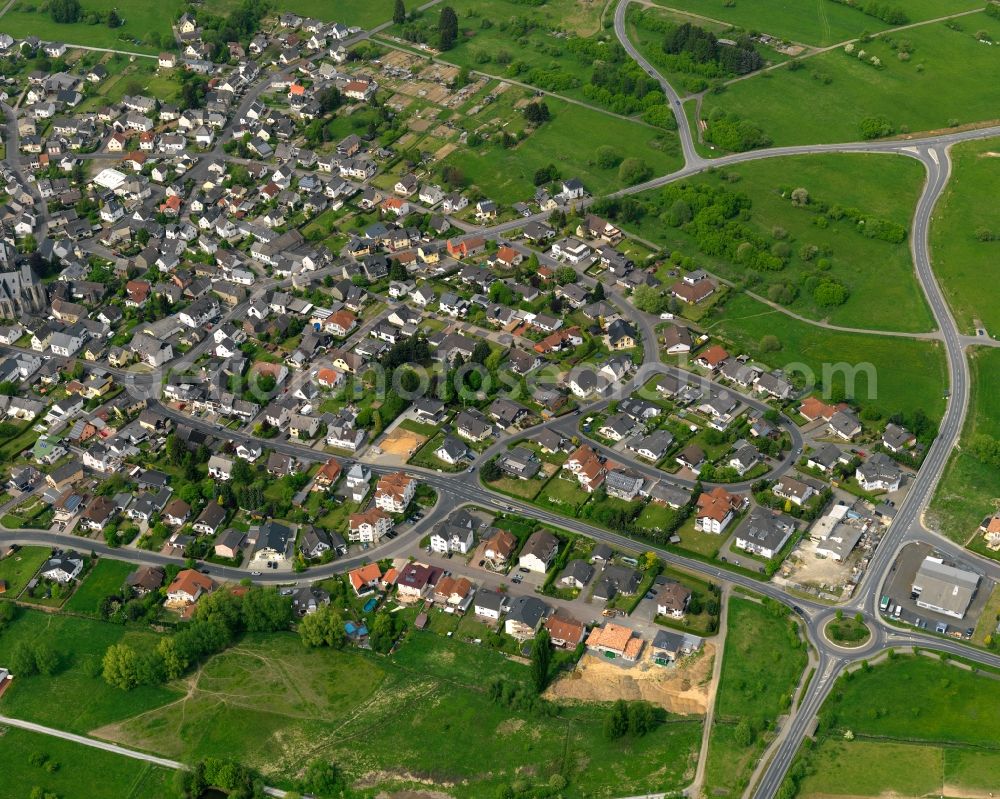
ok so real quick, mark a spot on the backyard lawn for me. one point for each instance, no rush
(105, 578)
(18, 568)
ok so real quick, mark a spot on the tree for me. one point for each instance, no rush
(114, 19)
(829, 294)
(174, 658)
(566, 275)
(324, 627)
(383, 632)
(120, 667)
(744, 733)
(65, 12)
(608, 157)
(323, 778)
(480, 352)
(598, 292)
(537, 112)
(489, 471)
(399, 13)
(770, 343)
(541, 658)
(616, 724)
(633, 170)
(875, 128)
(800, 197)
(649, 299)
(22, 660)
(397, 271)
(447, 28)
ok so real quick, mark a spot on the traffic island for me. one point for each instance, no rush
(849, 633)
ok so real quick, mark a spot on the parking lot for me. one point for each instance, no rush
(900, 586)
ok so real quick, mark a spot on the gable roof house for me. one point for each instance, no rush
(538, 552)
(188, 587)
(716, 509)
(765, 532)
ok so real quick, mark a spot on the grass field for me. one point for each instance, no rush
(762, 663)
(816, 22)
(569, 141)
(937, 87)
(967, 267)
(969, 487)
(80, 644)
(908, 374)
(363, 13)
(884, 292)
(20, 567)
(106, 578)
(420, 716)
(140, 19)
(83, 772)
(932, 722)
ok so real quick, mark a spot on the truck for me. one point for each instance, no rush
(884, 604)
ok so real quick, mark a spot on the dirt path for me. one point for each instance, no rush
(694, 789)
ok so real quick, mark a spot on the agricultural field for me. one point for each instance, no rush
(964, 237)
(818, 22)
(17, 569)
(816, 240)
(80, 644)
(944, 745)
(145, 26)
(494, 35)
(892, 374)
(105, 578)
(259, 699)
(935, 85)
(569, 141)
(71, 769)
(762, 663)
(969, 487)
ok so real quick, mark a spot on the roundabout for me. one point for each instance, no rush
(848, 632)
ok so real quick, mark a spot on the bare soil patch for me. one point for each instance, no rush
(402, 443)
(683, 688)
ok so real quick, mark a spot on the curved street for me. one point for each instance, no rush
(465, 488)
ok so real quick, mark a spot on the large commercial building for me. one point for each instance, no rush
(944, 589)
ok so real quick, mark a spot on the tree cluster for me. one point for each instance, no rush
(730, 132)
(65, 12)
(633, 719)
(219, 620)
(703, 47)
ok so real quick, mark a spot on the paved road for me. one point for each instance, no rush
(455, 490)
(691, 157)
